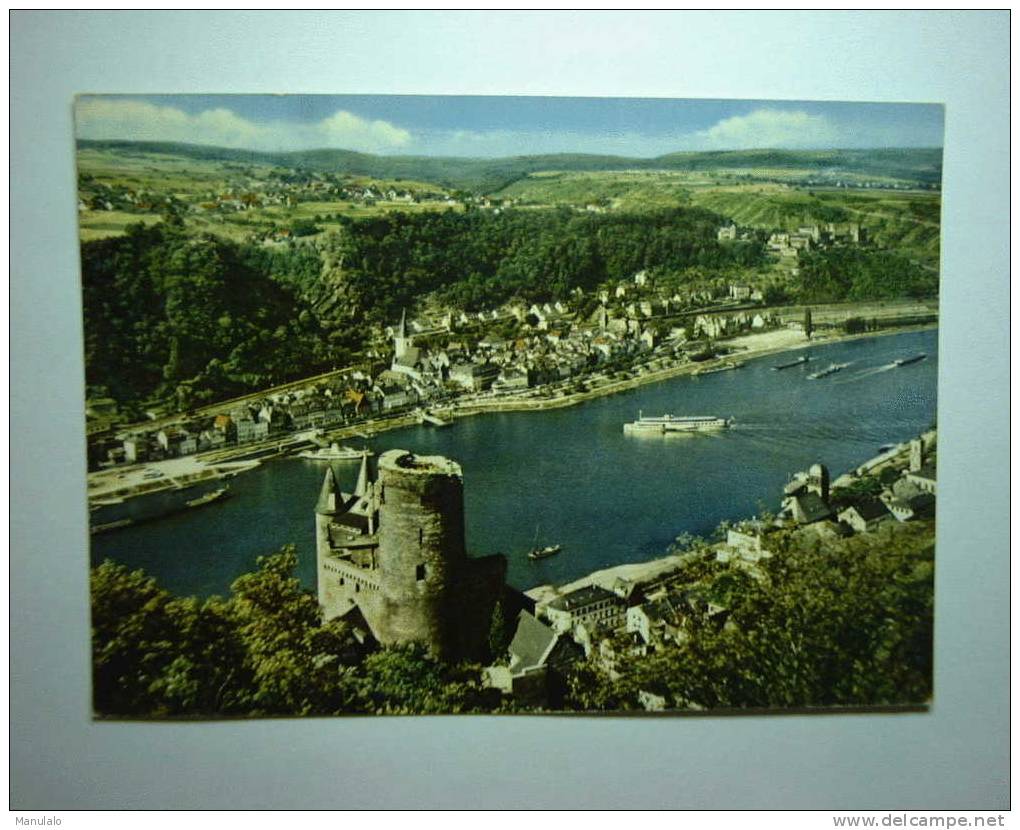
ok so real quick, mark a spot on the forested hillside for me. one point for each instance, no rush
(480, 259)
(173, 316)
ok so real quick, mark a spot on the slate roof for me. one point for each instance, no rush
(922, 505)
(582, 597)
(794, 487)
(531, 643)
(813, 508)
(871, 509)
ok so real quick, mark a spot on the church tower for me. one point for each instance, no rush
(401, 342)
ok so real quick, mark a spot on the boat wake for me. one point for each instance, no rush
(866, 373)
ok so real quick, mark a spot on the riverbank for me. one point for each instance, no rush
(747, 347)
(124, 483)
(653, 569)
(108, 487)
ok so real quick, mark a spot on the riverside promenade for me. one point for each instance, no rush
(127, 482)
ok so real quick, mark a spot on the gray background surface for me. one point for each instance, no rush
(955, 756)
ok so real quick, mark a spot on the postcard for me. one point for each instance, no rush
(425, 404)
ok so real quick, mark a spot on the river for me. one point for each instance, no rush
(571, 476)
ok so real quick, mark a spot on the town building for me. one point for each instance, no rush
(921, 506)
(472, 376)
(660, 620)
(865, 515)
(590, 605)
(923, 478)
(540, 659)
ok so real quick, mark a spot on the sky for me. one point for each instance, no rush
(490, 126)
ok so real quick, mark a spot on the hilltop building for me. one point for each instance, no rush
(394, 550)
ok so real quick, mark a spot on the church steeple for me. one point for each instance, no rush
(401, 342)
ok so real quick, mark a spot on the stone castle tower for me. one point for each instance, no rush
(394, 548)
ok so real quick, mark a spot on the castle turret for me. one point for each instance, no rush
(330, 500)
(421, 547)
(330, 503)
(361, 488)
(395, 548)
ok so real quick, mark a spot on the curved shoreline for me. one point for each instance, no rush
(745, 347)
(656, 376)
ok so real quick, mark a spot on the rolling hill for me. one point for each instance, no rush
(921, 166)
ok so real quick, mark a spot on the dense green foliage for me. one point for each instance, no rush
(839, 274)
(845, 623)
(479, 259)
(818, 624)
(262, 651)
(489, 175)
(177, 316)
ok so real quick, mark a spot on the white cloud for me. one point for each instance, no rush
(770, 128)
(107, 118)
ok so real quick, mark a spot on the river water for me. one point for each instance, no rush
(571, 476)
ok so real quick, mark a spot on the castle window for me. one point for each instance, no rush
(421, 537)
(357, 587)
(419, 572)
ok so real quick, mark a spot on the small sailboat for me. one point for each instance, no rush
(542, 552)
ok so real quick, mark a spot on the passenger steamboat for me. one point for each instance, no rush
(676, 423)
(336, 453)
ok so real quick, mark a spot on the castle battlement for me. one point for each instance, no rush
(395, 548)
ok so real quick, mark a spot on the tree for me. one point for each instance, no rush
(499, 633)
(265, 650)
(852, 626)
(854, 325)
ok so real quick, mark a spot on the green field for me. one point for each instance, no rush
(617, 190)
(100, 224)
(193, 182)
(765, 197)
